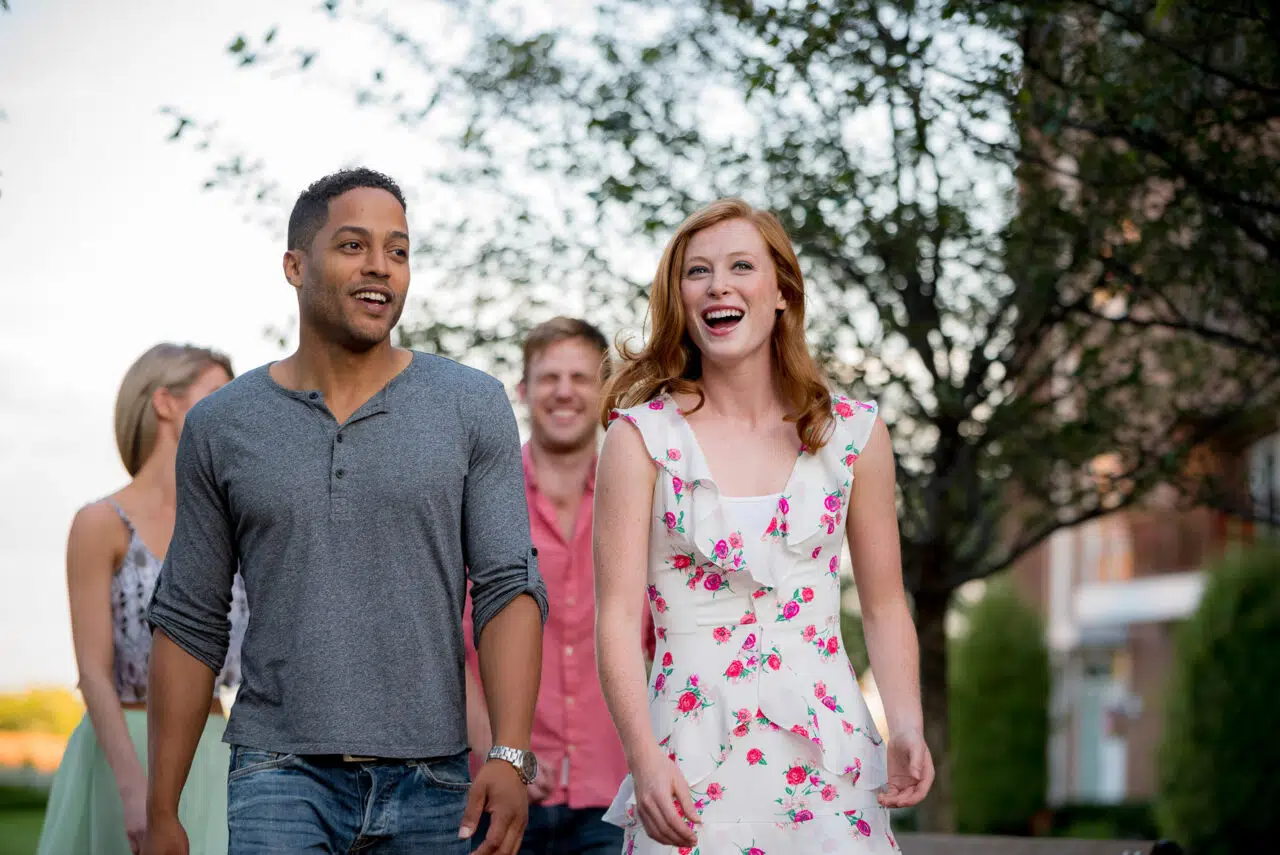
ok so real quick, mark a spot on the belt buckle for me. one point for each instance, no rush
(352, 758)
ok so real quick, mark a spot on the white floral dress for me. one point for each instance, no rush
(751, 692)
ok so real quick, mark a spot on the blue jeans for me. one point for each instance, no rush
(280, 803)
(562, 830)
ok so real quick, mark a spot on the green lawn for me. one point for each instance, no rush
(20, 830)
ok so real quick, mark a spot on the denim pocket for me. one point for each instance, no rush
(447, 773)
(246, 761)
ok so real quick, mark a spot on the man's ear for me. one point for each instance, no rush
(293, 266)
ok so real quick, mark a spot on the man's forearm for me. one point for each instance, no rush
(510, 669)
(178, 693)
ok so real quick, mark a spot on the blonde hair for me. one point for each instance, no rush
(166, 366)
(670, 362)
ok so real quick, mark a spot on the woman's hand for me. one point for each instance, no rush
(663, 800)
(910, 770)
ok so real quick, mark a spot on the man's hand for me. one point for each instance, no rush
(539, 788)
(165, 836)
(498, 791)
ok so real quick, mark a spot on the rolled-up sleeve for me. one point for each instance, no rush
(192, 598)
(501, 561)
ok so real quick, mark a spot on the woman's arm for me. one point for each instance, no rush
(892, 646)
(625, 480)
(94, 549)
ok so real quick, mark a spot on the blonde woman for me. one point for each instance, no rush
(97, 805)
(729, 479)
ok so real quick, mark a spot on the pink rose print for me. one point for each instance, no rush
(656, 404)
(790, 610)
(740, 731)
(832, 503)
(784, 505)
(804, 815)
(809, 632)
(759, 592)
(844, 410)
(773, 527)
(743, 715)
(796, 775)
(670, 519)
(850, 459)
(681, 562)
(715, 792)
(819, 689)
(833, 645)
(806, 594)
(712, 582)
(829, 793)
(817, 550)
(653, 593)
(693, 680)
(848, 728)
(660, 682)
(750, 642)
(734, 669)
(800, 730)
(748, 618)
(735, 540)
(673, 454)
(864, 828)
(830, 522)
(666, 659)
(754, 850)
(830, 703)
(722, 549)
(660, 604)
(755, 757)
(688, 701)
(676, 484)
(774, 661)
(722, 634)
(835, 563)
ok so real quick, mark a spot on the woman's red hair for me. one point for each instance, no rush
(670, 362)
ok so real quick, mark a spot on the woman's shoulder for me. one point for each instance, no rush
(854, 421)
(100, 525)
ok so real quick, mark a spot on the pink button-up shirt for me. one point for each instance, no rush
(574, 739)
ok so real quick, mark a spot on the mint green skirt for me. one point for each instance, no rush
(86, 817)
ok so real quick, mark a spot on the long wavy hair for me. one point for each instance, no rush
(671, 363)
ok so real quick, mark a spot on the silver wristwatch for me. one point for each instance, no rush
(524, 761)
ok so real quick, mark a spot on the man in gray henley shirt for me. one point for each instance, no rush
(355, 486)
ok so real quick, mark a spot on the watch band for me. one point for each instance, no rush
(514, 756)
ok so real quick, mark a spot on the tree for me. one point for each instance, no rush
(1000, 686)
(946, 275)
(1217, 782)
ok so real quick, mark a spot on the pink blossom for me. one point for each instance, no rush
(754, 756)
(835, 562)
(829, 793)
(809, 631)
(833, 644)
(743, 714)
(849, 459)
(670, 519)
(722, 634)
(804, 815)
(722, 549)
(660, 682)
(714, 792)
(681, 562)
(848, 728)
(666, 659)
(712, 582)
(755, 850)
(784, 505)
(759, 592)
(734, 669)
(748, 618)
(656, 404)
(864, 828)
(773, 526)
(693, 680)
(735, 540)
(817, 550)
(819, 689)
(660, 604)
(653, 592)
(801, 730)
(775, 662)
(740, 731)
(843, 409)
(790, 610)
(687, 702)
(676, 483)
(750, 642)
(807, 595)
(830, 703)
(796, 775)
(832, 503)
(673, 454)
(783, 528)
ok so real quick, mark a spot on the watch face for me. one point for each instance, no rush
(530, 764)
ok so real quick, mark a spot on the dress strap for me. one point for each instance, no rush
(128, 523)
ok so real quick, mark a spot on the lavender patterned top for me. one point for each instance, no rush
(131, 589)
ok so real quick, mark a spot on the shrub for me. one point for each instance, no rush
(1218, 787)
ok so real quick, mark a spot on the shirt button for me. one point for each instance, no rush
(568, 702)
(568, 651)
(571, 749)
(314, 395)
(339, 437)
(340, 473)
(569, 601)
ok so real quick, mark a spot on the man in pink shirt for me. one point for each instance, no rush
(579, 755)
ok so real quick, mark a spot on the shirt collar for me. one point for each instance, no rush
(530, 474)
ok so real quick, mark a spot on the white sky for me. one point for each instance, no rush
(112, 246)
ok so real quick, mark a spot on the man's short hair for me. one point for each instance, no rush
(561, 329)
(311, 211)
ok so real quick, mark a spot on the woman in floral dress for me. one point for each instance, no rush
(729, 478)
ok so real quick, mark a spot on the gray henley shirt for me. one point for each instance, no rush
(355, 542)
